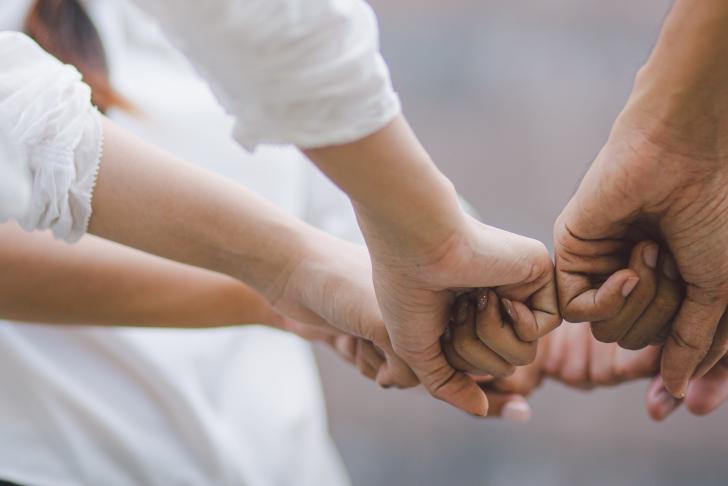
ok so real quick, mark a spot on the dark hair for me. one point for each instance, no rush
(64, 29)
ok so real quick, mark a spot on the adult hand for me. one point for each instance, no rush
(663, 174)
(703, 396)
(425, 252)
(416, 291)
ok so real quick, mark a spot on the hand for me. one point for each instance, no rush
(330, 295)
(416, 287)
(640, 188)
(703, 396)
(368, 359)
(662, 175)
(572, 356)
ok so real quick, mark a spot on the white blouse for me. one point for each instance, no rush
(304, 72)
(54, 134)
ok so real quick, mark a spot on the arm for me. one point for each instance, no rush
(97, 282)
(309, 72)
(662, 174)
(425, 251)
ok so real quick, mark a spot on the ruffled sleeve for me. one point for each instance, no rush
(48, 115)
(304, 72)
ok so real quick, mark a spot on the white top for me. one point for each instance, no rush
(14, 180)
(118, 407)
(55, 135)
(306, 72)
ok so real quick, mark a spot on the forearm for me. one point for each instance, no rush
(146, 199)
(392, 181)
(687, 73)
(97, 282)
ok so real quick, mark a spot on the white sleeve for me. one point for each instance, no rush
(305, 72)
(48, 116)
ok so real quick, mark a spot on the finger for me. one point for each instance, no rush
(362, 362)
(661, 311)
(658, 401)
(581, 303)
(601, 363)
(443, 382)
(508, 406)
(492, 332)
(556, 353)
(689, 340)
(544, 304)
(523, 382)
(575, 365)
(369, 354)
(345, 347)
(643, 262)
(632, 365)
(707, 393)
(718, 349)
(395, 371)
(469, 347)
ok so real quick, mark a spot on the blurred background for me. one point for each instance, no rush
(513, 100)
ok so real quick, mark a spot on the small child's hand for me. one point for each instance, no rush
(488, 334)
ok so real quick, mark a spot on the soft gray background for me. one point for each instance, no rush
(513, 99)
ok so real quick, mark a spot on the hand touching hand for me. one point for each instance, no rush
(364, 355)
(330, 294)
(417, 289)
(571, 356)
(662, 175)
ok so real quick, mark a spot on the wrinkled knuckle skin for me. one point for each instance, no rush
(687, 341)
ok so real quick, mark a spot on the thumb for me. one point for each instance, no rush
(658, 401)
(445, 383)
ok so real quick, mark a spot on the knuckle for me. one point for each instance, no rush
(688, 340)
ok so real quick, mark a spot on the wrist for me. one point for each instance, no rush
(420, 222)
(683, 86)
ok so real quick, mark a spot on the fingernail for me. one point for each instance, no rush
(516, 411)
(629, 286)
(669, 269)
(649, 255)
(666, 403)
(510, 310)
(482, 299)
(461, 311)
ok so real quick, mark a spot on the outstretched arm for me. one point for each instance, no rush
(97, 282)
(662, 175)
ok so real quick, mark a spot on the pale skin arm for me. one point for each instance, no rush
(98, 282)
(149, 200)
(425, 250)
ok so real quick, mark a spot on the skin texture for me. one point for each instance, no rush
(426, 251)
(148, 200)
(99, 283)
(662, 176)
(574, 357)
